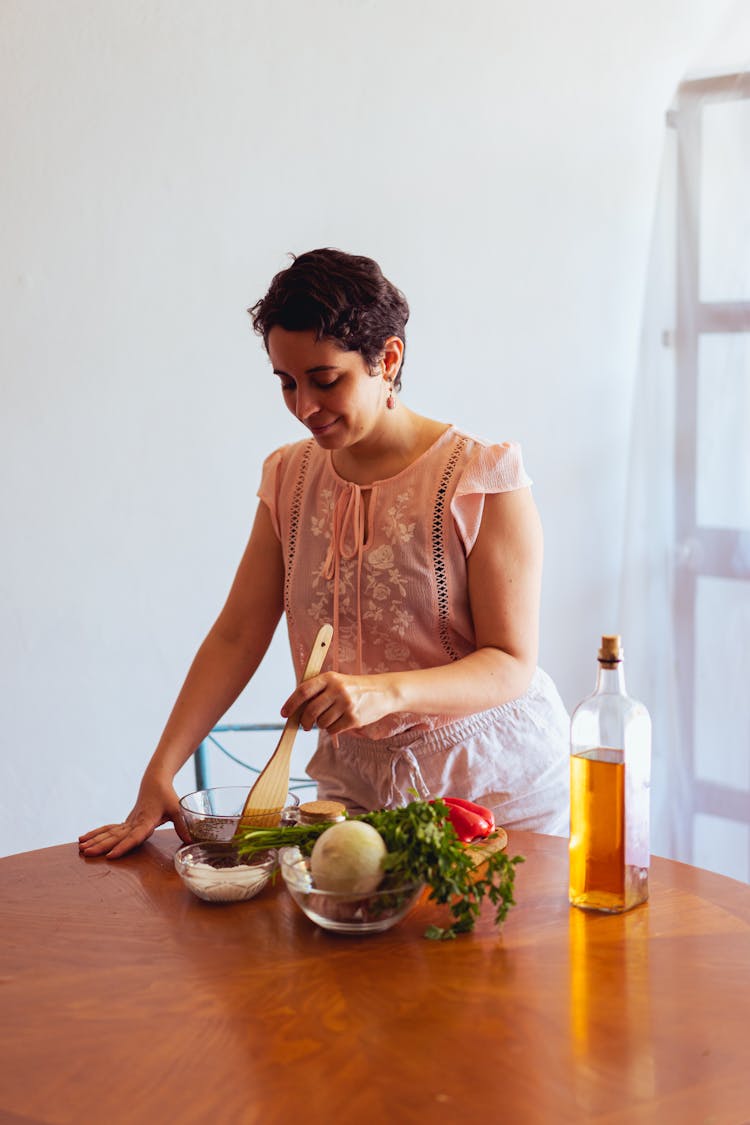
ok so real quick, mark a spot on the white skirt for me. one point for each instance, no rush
(514, 759)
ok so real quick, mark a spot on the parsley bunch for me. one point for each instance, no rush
(422, 846)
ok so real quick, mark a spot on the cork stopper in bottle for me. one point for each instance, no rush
(318, 812)
(611, 650)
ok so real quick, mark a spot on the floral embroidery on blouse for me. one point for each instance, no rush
(396, 527)
(383, 589)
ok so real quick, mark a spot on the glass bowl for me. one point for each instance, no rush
(213, 814)
(217, 873)
(345, 913)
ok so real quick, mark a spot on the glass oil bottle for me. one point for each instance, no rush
(610, 774)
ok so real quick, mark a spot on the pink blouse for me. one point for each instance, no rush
(394, 587)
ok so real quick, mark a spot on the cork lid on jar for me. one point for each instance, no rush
(318, 812)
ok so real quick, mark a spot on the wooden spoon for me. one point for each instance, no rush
(266, 798)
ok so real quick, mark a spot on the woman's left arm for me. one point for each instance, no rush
(504, 575)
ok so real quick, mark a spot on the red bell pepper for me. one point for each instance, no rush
(480, 810)
(468, 823)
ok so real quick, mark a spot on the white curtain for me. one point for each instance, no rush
(685, 597)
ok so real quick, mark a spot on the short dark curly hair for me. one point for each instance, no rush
(341, 297)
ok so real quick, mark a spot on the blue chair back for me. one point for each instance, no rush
(213, 742)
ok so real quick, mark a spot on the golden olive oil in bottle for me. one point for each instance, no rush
(610, 774)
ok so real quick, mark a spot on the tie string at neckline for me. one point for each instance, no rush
(347, 542)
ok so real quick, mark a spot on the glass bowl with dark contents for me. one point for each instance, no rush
(213, 814)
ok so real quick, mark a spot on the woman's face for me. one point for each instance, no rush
(331, 391)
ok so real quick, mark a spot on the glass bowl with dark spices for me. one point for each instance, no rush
(214, 814)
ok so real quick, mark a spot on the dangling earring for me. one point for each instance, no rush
(390, 402)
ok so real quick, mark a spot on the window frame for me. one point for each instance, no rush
(700, 550)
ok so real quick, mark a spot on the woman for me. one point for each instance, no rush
(422, 546)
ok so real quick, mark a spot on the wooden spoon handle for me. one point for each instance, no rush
(257, 797)
(318, 652)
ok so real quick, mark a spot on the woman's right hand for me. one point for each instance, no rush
(157, 803)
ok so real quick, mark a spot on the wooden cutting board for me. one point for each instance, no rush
(482, 849)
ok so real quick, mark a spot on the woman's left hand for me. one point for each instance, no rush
(336, 702)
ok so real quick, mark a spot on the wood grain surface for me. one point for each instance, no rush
(126, 999)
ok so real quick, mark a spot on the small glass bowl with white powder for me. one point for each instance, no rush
(216, 872)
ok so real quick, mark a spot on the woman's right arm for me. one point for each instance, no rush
(223, 665)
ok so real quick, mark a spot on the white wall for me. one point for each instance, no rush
(160, 159)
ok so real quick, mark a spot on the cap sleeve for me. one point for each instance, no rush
(270, 481)
(490, 468)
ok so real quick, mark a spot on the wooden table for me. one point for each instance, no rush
(126, 999)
